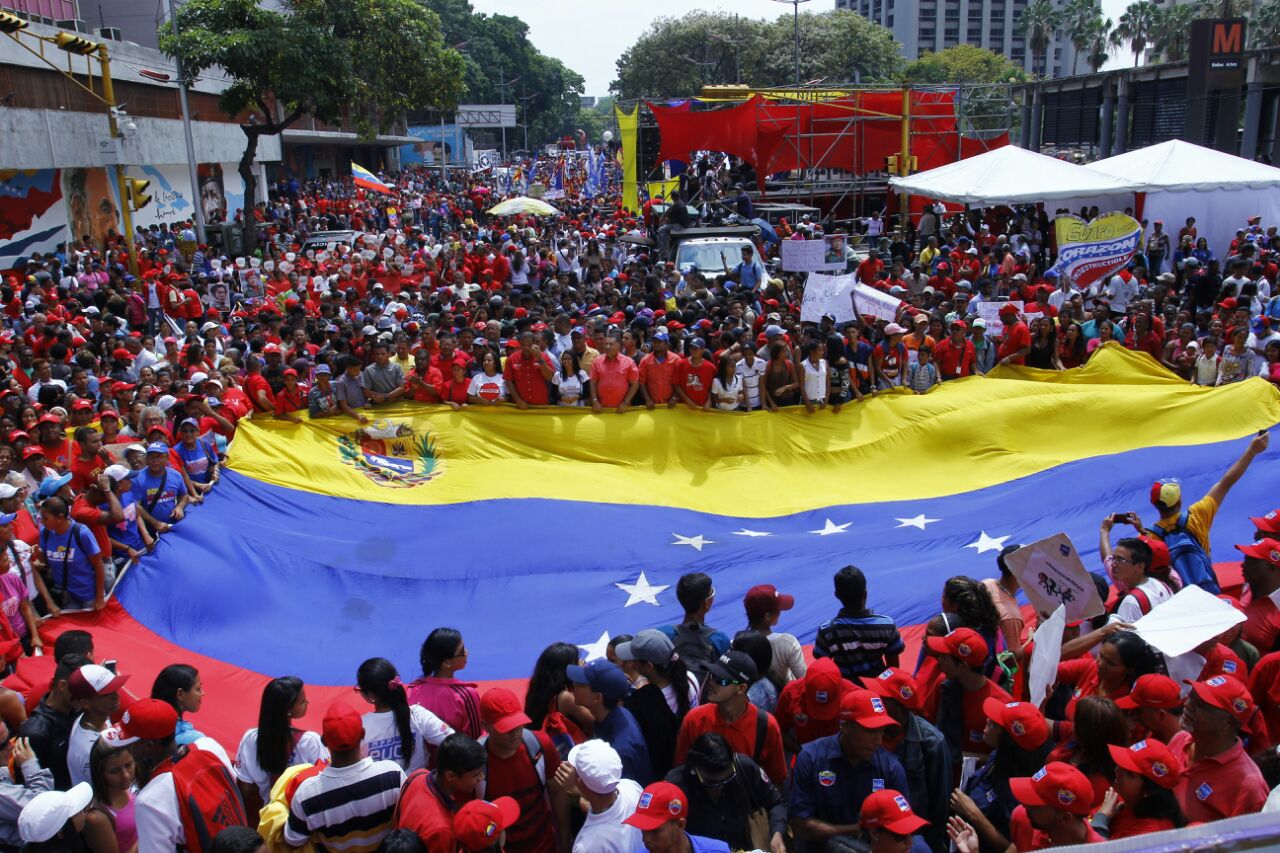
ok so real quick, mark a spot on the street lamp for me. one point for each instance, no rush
(502, 89)
(796, 6)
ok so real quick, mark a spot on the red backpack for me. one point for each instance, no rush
(208, 797)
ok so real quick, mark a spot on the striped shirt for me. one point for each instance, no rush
(858, 644)
(346, 809)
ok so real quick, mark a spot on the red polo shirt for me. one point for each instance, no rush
(1226, 785)
(426, 810)
(954, 361)
(741, 735)
(433, 380)
(1263, 625)
(1015, 338)
(524, 373)
(612, 377)
(658, 377)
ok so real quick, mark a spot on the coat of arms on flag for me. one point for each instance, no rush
(391, 454)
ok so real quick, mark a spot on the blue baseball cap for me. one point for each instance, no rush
(661, 336)
(49, 486)
(157, 447)
(7, 518)
(603, 677)
(323, 368)
(698, 342)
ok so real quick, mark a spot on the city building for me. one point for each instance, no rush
(921, 26)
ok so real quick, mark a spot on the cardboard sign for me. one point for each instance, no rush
(874, 303)
(827, 294)
(990, 313)
(813, 255)
(1089, 252)
(1052, 575)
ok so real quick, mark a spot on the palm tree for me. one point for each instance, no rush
(1078, 17)
(1224, 8)
(1172, 32)
(1099, 42)
(1136, 27)
(1266, 24)
(1039, 22)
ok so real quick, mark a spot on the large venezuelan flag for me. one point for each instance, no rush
(362, 177)
(323, 547)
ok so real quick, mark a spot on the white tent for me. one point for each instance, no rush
(1016, 175)
(1182, 179)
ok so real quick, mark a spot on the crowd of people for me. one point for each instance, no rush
(121, 391)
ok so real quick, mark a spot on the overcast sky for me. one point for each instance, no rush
(589, 36)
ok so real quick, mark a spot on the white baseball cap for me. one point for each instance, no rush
(598, 765)
(117, 472)
(7, 490)
(46, 814)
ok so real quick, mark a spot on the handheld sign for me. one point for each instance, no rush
(1052, 574)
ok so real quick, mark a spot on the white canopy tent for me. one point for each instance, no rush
(1012, 175)
(1182, 179)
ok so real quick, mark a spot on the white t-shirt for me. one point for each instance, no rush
(309, 750)
(78, 749)
(1128, 610)
(815, 380)
(605, 832)
(23, 550)
(488, 387)
(570, 387)
(732, 390)
(788, 657)
(382, 738)
(669, 693)
(159, 824)
(750, 374)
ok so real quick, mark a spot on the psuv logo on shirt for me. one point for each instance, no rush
(392, 454)
(826, 778)
(877, 785)
(1203, 792)
(1229, 666)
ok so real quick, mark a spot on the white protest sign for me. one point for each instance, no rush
(1191, 617)
(874, 303)
(827, 294)
(990, 312)
(1044, 663)
(804, 256)
(1051, 573)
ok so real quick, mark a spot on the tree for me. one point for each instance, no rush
(1265, 25)
(1098, 43)
(1136, 26)
(984, 102)
(675, 57)
(1079, 17)
(1224, 8)
(1039, 22)
(368, 61)
(1172, 31)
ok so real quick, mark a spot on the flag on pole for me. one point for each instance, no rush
(364, 178)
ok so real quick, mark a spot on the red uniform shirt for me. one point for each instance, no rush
(612, 377)
(975, 719)
(658, 377)
(1263, 625)
(516, 777)
(254, 383)
(83, 473)
(789, 712)
(91, 517)
(1016, 337)
(524, 373)
(431, 394)
(741, 735)
(428, 811)
(696, 380)
(1226, 785)
(954, 361)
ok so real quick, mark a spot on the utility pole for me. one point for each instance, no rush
(201, 235)
(796, 28)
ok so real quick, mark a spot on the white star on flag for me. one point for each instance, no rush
(831, 527)
(919, 521)
(695, 542)
(641, 592)
(987, 543)
(592, 651)
(752, 533)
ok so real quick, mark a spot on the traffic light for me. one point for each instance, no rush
(136, 189)
(11, 23)
(75, 44)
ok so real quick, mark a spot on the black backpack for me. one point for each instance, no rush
(692, 643)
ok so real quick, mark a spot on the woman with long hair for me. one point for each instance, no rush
(970, 600)
(1071, 347)
(456, 702)
(110, 826)
(394, 729)
(781, 384)
(548, 700)
(726, 388)
(662, 701)
(179, 685)
(1122, 659)
(1142, 798)
(275, 744)
(1003, 592)
(1097, 725)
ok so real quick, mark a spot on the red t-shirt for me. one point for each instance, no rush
(741, 735)
(290, 401)
(975, 719)
(426, 810)
(91, 517)
(1015, 338)
(254, 383)
(515, 777)
(1263, 625)
(696, 380)
(84, 474)
(1264, 687)
(58, 453)
(789, 712)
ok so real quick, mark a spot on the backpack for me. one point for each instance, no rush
(1187, 556)
(692, 643)
(533, 747)
(208, 797)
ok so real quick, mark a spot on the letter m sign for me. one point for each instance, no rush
(1228, 37)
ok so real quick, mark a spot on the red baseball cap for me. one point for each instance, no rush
(1149, 758)
(964, 643)
(822, 690)
(765, 598)
(1227, 693)
(1160, 558)
(146, 719)
(1057, 784)
(1268, 550)
(82, 404)
(342, 727)
(888, 809)
(1152, 690)
(1269, 523)
(478, 823)
(1023, 721)
(866, 709)
(896, 684)
(502, 711)
(659, 803)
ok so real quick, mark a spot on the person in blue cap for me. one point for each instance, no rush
(599, 687)
(159, 488)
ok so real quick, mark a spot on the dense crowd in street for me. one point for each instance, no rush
(124, 384)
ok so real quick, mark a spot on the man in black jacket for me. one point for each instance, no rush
(49, 726)
(724, 790)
